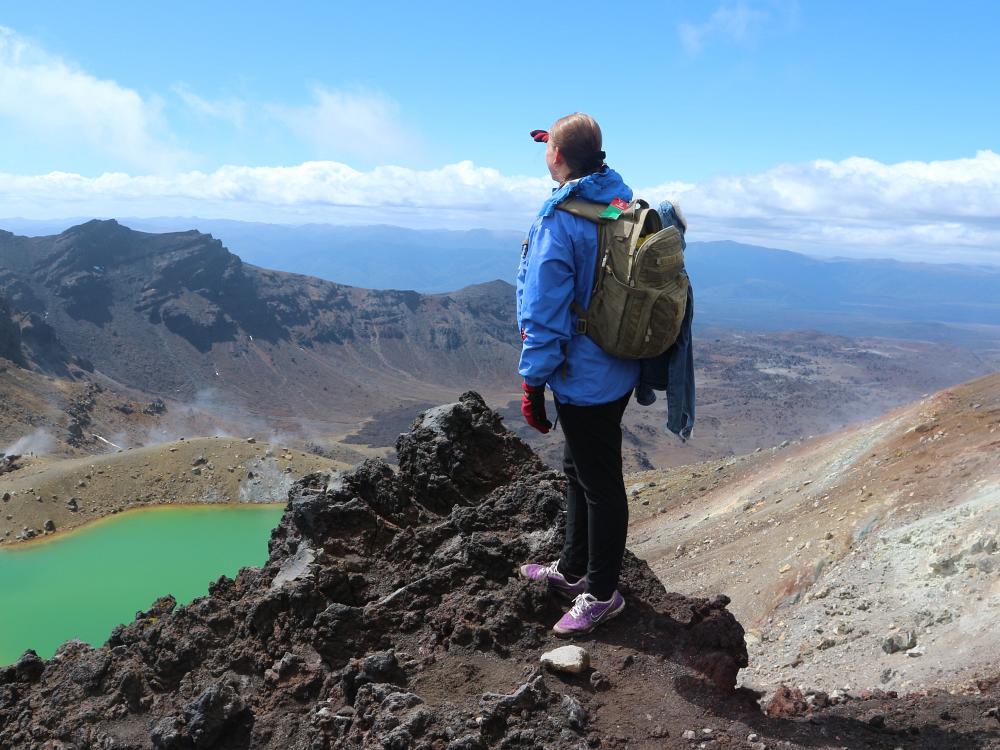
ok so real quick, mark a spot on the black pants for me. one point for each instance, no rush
(596, 505)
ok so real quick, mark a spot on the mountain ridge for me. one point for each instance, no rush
(755, 287)
(173, 313)
(179, 317)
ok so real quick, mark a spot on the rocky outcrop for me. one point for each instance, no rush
(388, 614)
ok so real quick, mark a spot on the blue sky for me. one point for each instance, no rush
(849, 128)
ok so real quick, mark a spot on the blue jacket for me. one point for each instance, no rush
(673, 371)
(557, 266)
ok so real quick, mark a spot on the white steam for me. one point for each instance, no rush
(38, 443)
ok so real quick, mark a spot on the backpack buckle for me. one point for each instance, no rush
(581, 325)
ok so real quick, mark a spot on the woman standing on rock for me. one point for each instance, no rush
(591, 388)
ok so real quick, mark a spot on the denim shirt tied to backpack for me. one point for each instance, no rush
(557, 267)
(673, 371)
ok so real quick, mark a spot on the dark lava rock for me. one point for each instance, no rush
(876, 720)
(29, 667)
(388, 615)
(204, 720)
(9, 463)
(10, 335)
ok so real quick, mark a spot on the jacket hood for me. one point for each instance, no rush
(599, 187)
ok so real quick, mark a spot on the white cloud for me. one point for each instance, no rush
(340, 123)
(48, 101)
(461, 194)
(335, 124)
(919, 210)
(42, 96)
(231, 109)
(940, 210)
(732, 21)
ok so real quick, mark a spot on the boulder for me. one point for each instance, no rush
(571, 659)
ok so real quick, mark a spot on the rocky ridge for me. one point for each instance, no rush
(385, 595)
(389, 615)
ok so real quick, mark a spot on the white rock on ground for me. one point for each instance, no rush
(572, 659)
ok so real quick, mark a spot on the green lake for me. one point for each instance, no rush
(83, 583)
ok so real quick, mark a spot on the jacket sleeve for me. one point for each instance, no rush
(680, 377)
(547, 292)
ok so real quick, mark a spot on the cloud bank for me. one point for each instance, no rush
(939, 210)
(461, 194)
(50, 106)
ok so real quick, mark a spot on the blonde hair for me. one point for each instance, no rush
(578, 137)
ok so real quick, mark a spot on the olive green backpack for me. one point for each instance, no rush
(640, 285)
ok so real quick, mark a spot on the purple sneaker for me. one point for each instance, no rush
(587, 613)
(556, 580)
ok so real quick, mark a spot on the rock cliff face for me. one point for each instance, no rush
(10, 334)
(389, 614)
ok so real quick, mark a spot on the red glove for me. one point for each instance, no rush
(533, 407)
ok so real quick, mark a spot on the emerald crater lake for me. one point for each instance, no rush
(83, 583)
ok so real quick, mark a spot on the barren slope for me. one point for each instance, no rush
(881, 538)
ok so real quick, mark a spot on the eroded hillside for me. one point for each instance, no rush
(867, 558)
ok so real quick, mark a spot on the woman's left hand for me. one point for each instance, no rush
(533, 407)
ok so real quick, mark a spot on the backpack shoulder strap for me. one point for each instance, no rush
(584, 209)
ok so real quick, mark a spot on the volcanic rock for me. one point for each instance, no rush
(899, 642)
(787, 703)
(409, 586)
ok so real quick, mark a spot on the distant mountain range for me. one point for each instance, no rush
(373, 257)
(736, 285)
(177, 316)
